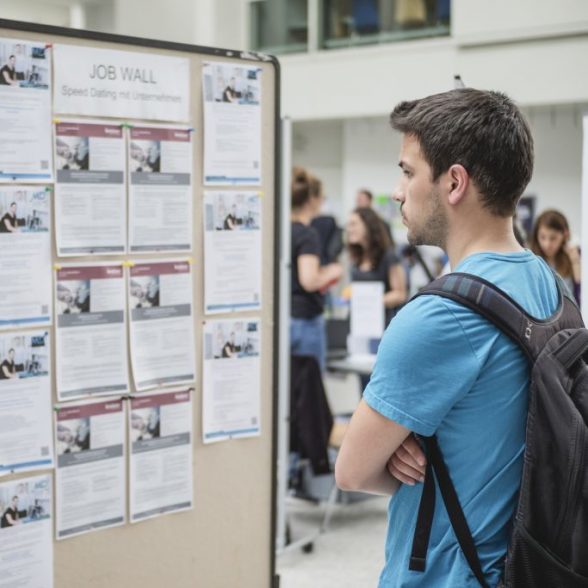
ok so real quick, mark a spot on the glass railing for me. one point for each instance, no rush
(364, 22)
(279, 26)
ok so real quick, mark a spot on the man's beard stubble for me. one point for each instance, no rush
(434, 229)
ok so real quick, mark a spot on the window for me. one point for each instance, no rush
(362, 22)
(279, 26)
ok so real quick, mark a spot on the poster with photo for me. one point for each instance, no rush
(162, 323)
(232, 251)
(91, 341)
(231, 380)
(25, 256)
(90, 474)
(25, 111)
(161, 472)
(26, 545)
(232, 124)
(25, 401)
(90, 189)
(160, 189)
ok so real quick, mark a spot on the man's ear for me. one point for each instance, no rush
(458, 181)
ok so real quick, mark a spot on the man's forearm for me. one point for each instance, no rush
(385, 485)
(369, 442)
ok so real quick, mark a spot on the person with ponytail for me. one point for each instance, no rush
(309, 278)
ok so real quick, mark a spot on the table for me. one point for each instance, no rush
(353, 364)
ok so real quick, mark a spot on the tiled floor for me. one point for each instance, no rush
(349, 555)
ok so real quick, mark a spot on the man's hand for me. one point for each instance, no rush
(408, 463)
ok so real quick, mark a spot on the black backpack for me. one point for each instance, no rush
(549, 541)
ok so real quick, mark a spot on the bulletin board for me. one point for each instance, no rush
(227, 540)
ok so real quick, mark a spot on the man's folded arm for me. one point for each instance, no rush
(369, 442)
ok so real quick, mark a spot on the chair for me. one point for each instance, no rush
(311, 422)
(315, 438)
(365, 17)
(411, 13)
(336, 331)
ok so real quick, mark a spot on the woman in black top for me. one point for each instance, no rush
(373, 258)
(309, 279)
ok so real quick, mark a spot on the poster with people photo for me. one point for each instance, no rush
(161, 470)
(232, 251)
(26, 545)
(232, 124)
(90, 308)
(90, 473)
(25, 401)
(25, 111)
(160, 189)
(231, 379)
(90, 191)
(25, 256)
(162, 324)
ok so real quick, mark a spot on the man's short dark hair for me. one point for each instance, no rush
(483, 131)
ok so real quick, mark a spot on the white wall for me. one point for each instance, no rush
(477, 19)
(231, 28)
(318, 146)
(370, 158)
(100, 17)
(557, 181)
(160, 20)
(364, 82)
(97, 15)
(211, 23)
(552, 71)
(36, 11)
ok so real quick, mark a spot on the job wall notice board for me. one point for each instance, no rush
(137, 214)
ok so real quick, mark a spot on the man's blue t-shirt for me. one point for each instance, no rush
(442, 368)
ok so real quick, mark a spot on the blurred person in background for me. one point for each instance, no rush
(550, 240)
(309, 279)
(365, 199)
(373, 258)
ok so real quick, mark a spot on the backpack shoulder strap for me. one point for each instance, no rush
(564, 289)
(499, 308)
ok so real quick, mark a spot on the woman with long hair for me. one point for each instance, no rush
(373, 258)
(309, 278)
(550, 240)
